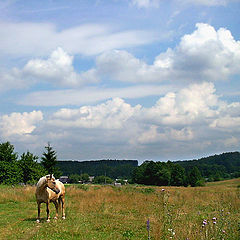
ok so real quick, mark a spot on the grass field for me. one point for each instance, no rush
(107, 212)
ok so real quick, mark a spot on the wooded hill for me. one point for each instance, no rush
(110, 168)
(212, 168)
(216, 167)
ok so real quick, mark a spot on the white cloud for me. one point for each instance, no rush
(226, 122)
(231, 142)
(89, 95)
(38, 39)
(19, 123)
(188, 120)
(110, 115)
(194, 103)
(57, 69)
(205, 54)
(156, 3)
(145, 3)
(205, 2)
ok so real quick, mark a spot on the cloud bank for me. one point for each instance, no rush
(192, 118)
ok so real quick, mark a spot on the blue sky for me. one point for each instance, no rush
(120, 79)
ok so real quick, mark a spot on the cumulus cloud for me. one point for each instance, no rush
(57, 69)
(110, 115)
(177, 116)
(193, 118)
(194, 103)
(19, 123)
(205, 54)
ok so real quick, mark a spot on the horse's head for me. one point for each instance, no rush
(51, 183)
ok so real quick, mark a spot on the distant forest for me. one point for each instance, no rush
(216, 167)
(178, 173)
(28, 168)
(193, 172)
(110, 168)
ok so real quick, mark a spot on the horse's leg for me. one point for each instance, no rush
(39, 210)
(57, 207)
(48, 218)
(63, 207)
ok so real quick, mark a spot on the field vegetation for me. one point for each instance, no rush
(108, 212)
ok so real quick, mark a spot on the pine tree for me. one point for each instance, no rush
(31, 170)
(49, 161)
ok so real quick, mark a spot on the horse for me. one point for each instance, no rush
(50, 190)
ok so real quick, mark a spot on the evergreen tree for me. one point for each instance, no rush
(31, 170)
(7, 153)
(9, 169)
(49, 161)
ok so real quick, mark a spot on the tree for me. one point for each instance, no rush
(49, 161)
(9, 169)
(178, 176)
(103, 179)
(84, 177)
(31, 170)
(164, 177)
(7, 153)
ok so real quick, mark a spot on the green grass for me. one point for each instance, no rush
(113, 213)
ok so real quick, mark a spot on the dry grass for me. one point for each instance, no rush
(106, 212)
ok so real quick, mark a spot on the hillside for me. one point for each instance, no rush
(214, 168)
(110, 168)
(225, 165)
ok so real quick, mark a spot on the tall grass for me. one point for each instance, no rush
(107, 212)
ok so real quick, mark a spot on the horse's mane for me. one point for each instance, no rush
(42, 180)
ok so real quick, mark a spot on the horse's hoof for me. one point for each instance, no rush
(38, 221)
(63, 217)
(48, 220)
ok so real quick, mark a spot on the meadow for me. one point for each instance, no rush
(115, 213)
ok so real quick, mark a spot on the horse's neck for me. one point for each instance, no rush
(42, 188)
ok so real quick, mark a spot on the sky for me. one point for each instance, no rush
(120, 79)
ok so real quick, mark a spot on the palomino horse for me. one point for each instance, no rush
(50, 190)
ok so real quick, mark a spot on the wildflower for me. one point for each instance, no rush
(163, 190)
(214, 222)
(204, 222)
(214, 218)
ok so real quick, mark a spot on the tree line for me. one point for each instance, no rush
(166, 174)
(28, 168)
(111, 168)
(190, 172)
(25, 168)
